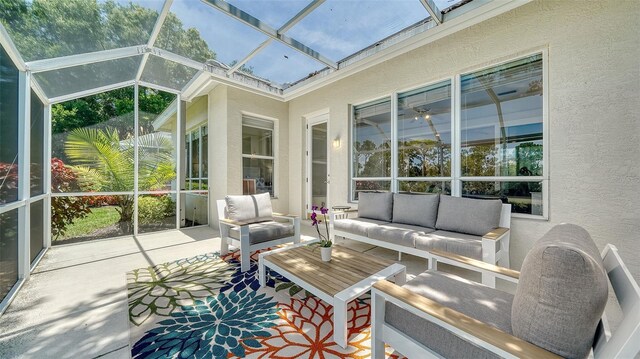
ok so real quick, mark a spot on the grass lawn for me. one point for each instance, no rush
(100, 217)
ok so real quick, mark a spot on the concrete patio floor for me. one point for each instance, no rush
(75, 304)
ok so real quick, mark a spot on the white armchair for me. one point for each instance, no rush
(557, 310)
(248, 223)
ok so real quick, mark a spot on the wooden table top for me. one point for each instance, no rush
(346, 268)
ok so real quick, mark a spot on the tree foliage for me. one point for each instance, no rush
(45, 29)
(65, 210)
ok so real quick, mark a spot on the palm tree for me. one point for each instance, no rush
(105, 163)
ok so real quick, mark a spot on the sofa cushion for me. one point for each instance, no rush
(398, 233)
(358, 226)
(486, 304)
(467, 215)
(459, 243)
(375, 205)
(250, 208)
(265, 231)
(416, 209)
(562, 292)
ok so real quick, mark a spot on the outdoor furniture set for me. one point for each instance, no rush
(557, 309)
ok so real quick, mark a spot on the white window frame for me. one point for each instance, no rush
(274, 147)
(200, 128)
(456, 169)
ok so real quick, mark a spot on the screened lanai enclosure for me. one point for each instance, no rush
(95, 137)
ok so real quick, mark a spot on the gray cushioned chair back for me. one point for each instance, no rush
(467, 215)
(251, 208)
(416, 209)
(562, 292)
(375, 205)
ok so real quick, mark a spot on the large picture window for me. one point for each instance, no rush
(258, 159)
(501, 134)
(371, 150)
(424, 139)
(493, 149)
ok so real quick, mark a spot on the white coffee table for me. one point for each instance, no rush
(347, 276)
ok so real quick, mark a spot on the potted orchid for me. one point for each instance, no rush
(325, 243)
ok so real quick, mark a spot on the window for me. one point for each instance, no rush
(424, 139)
(371, 150)
(258, 161)
(196, 147)
(501, 134)
(496, 151)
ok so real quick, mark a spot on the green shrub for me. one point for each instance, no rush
(154, 209)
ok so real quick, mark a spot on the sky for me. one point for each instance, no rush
(336, 29)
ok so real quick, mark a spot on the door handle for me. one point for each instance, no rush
(326, 182)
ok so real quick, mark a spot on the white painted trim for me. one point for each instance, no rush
(459, 19)
(24, 173)
(136, 156)
(90, 194)
(88, 58)
(12, 205)
(180, 124)
(432, 9)
(90, 92)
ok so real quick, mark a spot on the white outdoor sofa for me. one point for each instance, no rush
(557, 309)
(249, 223)
(418, 223)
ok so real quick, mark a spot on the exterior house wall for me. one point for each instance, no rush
(226, 106)
(593, 114)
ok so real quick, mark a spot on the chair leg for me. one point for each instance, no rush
(245, 249)
(224, 245)
(377, 320)
(296, 230)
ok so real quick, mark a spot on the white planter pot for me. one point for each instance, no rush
(325, 253)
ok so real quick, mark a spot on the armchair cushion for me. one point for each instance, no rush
(416, 209)
(358, 226)
(265, 231)
(467, 215)
(562, 292)
(249, 208)
(485, 304)
(374, 205)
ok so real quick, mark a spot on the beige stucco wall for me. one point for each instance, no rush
(226, 107)
(594, 82)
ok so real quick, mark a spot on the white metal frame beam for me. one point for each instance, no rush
(255, 23)
(433, 10)
(284, 28)
(10, 48)
(154, 35)
(84, 59)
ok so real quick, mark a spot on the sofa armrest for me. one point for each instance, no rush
(496, 233)
(461, 324)
(474, 265)
(231, 222)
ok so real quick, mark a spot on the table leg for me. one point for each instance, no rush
(261, 272)
(340, 322)
(401, 277)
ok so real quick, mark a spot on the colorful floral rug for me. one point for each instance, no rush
(204, 307)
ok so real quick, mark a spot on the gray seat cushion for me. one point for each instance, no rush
(398, 233)
(416, 209)
(375, 205)
(562, 292)
(485, 304)
(466, 215)
(265, 231)
(251, 208)
(459, 243)
(356, 225)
